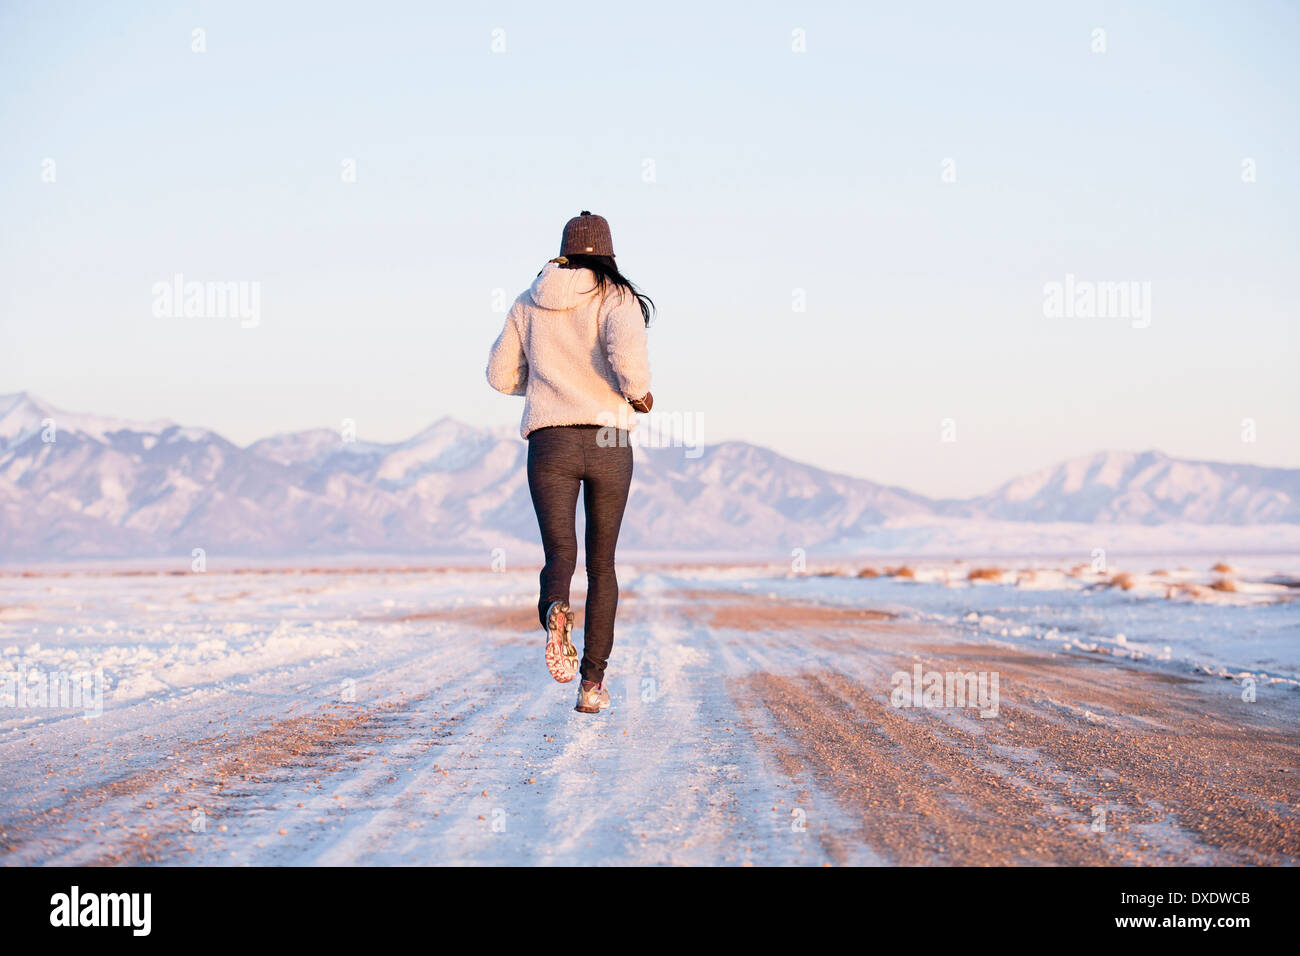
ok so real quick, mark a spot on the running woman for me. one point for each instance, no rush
(574, 345)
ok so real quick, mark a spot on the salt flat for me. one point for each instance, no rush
(346, 716)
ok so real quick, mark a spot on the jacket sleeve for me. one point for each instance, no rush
(507, 368)
(627, 348)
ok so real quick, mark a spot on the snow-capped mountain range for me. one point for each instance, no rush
(112, 488)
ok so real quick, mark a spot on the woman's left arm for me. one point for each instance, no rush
(507, 369)
(626, 343)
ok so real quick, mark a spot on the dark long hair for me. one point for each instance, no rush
(607, 274)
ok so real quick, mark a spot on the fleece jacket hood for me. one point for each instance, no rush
(560, 289)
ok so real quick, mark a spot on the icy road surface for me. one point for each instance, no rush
(354, 717)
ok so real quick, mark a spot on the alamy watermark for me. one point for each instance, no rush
(935, 689)
(1085, 299)
(179, 299)
(57, 690)
(653, 430)
(129, 910)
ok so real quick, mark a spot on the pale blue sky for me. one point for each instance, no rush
(774, 171)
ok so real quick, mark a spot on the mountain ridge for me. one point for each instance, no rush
(110, 487)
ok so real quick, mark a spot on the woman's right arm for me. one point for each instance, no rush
(507, 369)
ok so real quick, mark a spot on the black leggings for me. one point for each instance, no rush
(559, 460)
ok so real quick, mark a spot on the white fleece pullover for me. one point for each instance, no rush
(575, 356)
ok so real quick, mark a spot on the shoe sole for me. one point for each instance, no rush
(561, 655)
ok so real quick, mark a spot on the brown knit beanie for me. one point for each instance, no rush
(586, 235)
